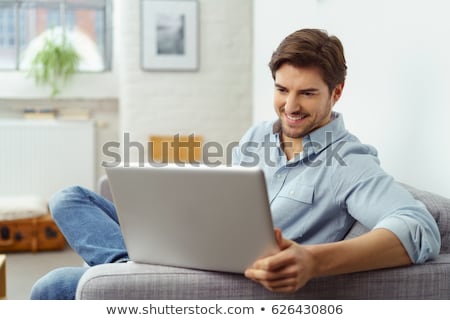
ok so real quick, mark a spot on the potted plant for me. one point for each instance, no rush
(54, 63)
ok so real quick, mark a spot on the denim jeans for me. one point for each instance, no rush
(90, 225)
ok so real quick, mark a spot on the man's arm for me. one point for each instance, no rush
(295, 264)
(373, 198)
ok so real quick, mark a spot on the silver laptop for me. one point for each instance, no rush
(210, 218)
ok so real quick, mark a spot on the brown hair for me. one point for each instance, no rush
(312, 48)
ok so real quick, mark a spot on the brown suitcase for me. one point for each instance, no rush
(33, 234)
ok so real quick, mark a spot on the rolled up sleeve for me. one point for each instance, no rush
(377, 201)
(418, 234)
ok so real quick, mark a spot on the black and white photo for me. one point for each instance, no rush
(169, 35)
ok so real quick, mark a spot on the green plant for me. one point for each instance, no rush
(54, 64)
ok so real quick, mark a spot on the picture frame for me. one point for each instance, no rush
(169, 35)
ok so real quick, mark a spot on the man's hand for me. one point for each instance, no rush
(286, 271)
(292, 267)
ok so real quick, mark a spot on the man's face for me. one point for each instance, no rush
(302, 100)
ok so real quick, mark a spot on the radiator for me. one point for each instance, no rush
(40, 157)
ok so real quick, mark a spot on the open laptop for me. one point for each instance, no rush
(210, 218)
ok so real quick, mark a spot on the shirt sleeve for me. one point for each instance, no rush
(376, 200)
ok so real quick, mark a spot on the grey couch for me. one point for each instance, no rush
(140, 281)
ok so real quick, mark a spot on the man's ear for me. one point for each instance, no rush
(337, 92)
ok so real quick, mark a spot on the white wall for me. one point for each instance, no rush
(396, 95)
(214, 101)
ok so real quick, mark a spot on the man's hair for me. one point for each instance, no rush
(312, 48)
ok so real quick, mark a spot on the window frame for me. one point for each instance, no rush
(105, 5)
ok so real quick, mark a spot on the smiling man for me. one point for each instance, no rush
(321, 179)
(303, 103)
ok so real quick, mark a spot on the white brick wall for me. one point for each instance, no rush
(214, 101)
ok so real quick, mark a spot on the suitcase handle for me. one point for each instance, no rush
(6, 238)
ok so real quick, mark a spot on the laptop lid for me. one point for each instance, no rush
(211, 218)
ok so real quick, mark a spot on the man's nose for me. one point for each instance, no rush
(292, 104)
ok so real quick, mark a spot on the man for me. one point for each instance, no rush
(320, 180)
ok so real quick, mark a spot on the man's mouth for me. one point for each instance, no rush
(295, 117)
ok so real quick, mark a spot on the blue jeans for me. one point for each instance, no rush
(90, 225)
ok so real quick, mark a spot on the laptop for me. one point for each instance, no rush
(209, 218)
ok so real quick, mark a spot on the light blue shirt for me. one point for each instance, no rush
(317, 196)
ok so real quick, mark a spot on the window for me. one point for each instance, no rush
(25, 24)
(7, 37)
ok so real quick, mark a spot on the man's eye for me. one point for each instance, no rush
(308, 94)
(282, 90)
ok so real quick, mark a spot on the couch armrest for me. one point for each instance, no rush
(135, 281)
(103, 188)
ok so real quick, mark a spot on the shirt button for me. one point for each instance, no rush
(291, 192)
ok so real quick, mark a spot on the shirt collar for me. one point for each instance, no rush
(276, 128)
(322, 137)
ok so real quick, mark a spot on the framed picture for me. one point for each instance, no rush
(169, 35)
